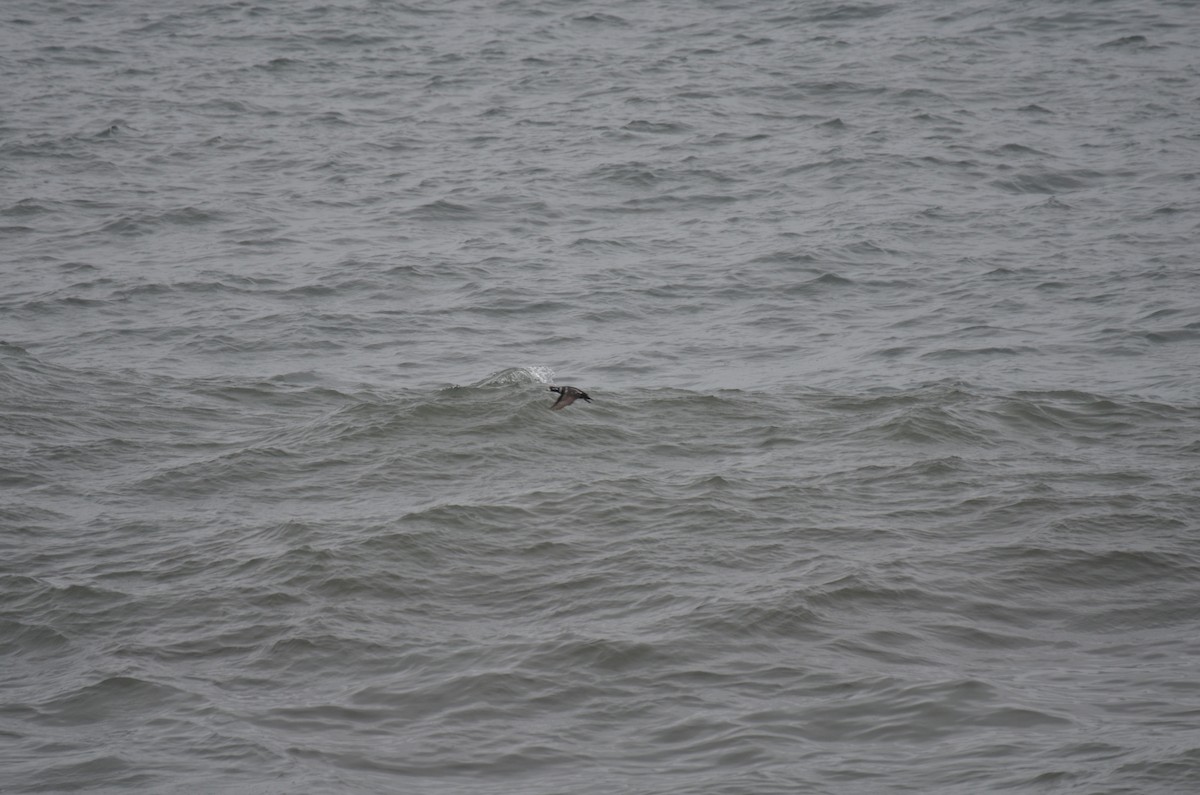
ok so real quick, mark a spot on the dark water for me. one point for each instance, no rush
(890, 313)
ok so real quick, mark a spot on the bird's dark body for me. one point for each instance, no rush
(568, 395)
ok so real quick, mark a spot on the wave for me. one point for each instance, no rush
(534, 374)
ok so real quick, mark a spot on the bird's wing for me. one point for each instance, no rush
(563, 401)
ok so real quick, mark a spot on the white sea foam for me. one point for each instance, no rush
(537, 374)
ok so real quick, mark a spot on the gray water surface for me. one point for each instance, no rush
(890, 314)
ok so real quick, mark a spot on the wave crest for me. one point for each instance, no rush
(536, 374)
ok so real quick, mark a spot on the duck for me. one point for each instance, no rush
(568, 395)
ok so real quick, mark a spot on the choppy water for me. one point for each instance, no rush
(890, 313)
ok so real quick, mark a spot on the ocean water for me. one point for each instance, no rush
(890, 314)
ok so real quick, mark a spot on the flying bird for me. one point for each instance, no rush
(567, 395)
